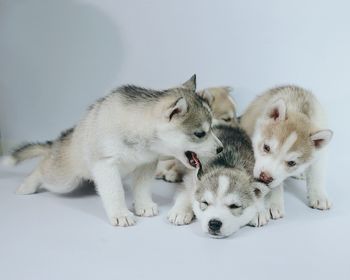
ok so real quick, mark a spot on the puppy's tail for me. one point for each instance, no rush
(27, 151)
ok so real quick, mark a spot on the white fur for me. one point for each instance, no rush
(289, 101)
(118, 138)
(230, 223)
(224, 183)
(272, 163)
(9, 161)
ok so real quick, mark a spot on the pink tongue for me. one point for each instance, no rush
(196, 160)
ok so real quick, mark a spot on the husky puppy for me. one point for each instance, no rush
(223, 108)
(289, 133)
(123, 134)
(223, 193)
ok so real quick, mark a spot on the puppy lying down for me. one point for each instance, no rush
(222, 192)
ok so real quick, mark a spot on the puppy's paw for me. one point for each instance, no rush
(146, 210)
(180, 217)
(26, 189)
(171, 176)
(123, 219)
(320, 202)
(276, 212)
(261, 219)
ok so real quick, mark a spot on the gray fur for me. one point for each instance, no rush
(133, 93)
(238, 152)
(122, 135)
(236, 161)
(226, 193)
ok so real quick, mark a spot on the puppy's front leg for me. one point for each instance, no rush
(315, 180)
(109, 186)
(275, 203)
(181, 213)
(143, 178)
(274, 208)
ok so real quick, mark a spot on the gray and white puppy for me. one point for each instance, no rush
(223, 108)
(223, 194)
(124, 134)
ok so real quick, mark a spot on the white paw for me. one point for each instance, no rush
(261, 219)
(24, 189)
(320, 202)
(146, 210)
(180, 217)
(276, 212)
(123, 219)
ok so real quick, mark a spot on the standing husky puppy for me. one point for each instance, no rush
(223, 108)
(289, 134)
(224, 194)
(124, 133)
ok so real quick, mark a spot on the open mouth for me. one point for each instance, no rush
(267, 184)
(193, 159)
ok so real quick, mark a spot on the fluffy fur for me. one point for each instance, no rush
(223, 195)
(223, 108)
(289, 133)
(123, 134)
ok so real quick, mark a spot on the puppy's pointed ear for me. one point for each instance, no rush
(177, 109)
(191, 84)
(207, 96)
(278, 110)
(321, 138)
(260, 190)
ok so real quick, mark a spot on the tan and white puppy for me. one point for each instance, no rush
(289, 133)
(223, 108)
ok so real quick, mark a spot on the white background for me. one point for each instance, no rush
(57, 57)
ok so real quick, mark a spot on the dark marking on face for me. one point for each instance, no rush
(257, 192)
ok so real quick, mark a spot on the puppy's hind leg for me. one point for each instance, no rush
(31, 183)
(143, 178)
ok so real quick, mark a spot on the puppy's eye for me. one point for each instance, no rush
(234, 206)
(267, 148)
(227, 119)
(200, 134)
(291, 163)
(204, 205)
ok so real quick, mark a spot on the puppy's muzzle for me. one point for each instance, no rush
(214, 226)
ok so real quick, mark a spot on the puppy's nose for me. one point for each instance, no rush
(265, 178)
(219, 150)
(214, 225)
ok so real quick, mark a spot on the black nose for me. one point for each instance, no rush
(219, 150)
(214, 225)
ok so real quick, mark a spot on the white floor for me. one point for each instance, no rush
(46, 236)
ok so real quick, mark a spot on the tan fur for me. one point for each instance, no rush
(300, 102)
(292, 123)
(222, 105)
